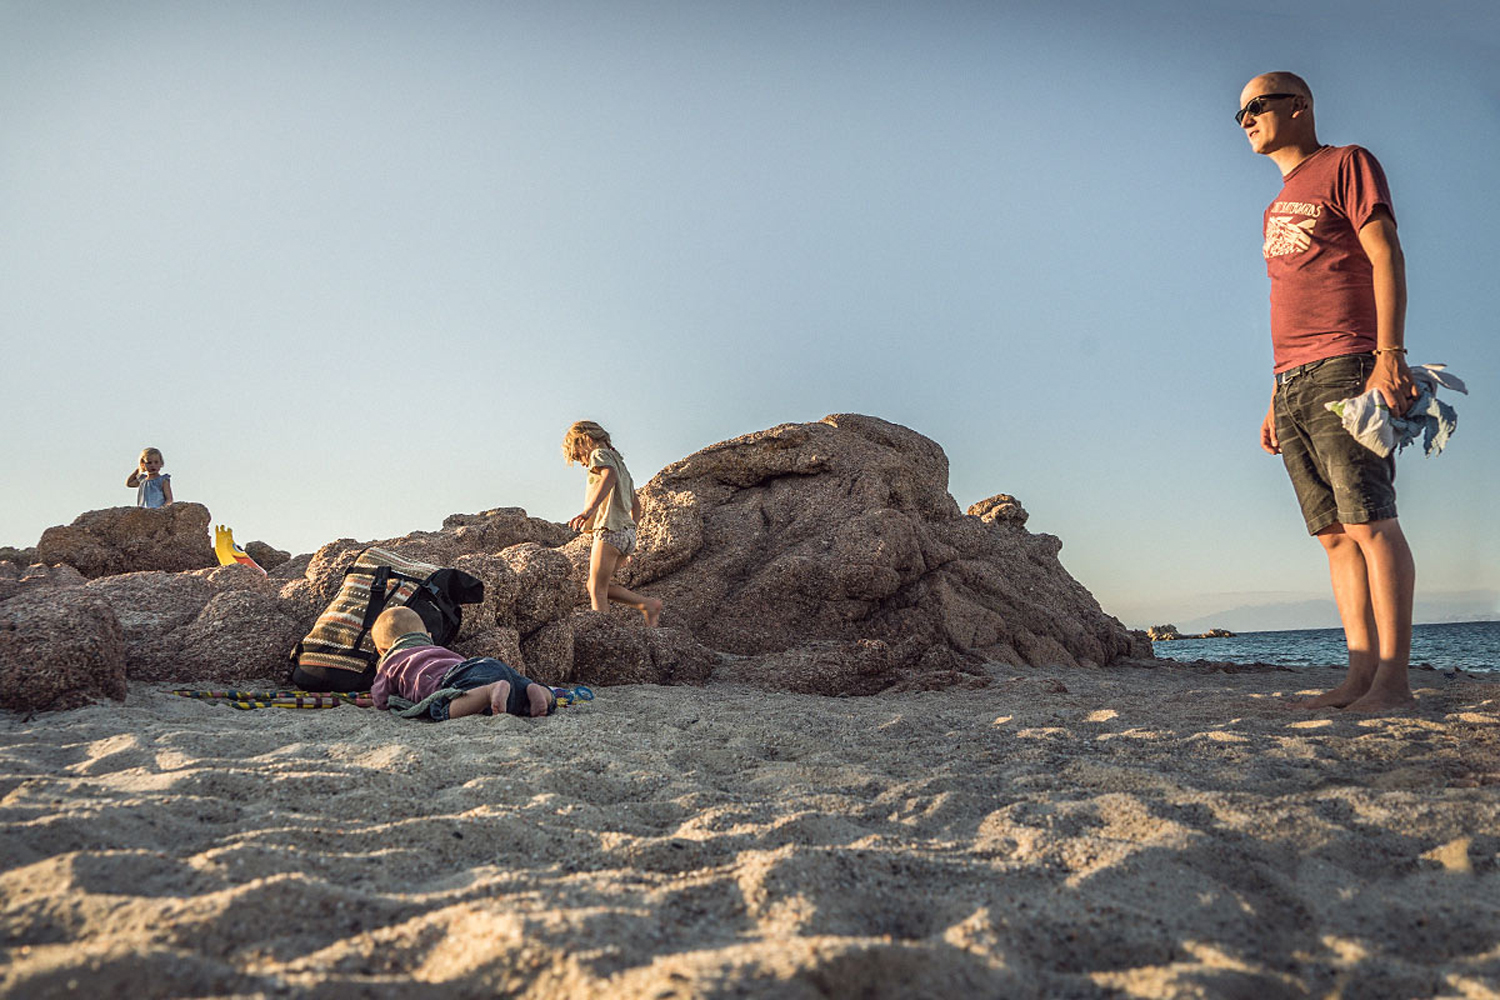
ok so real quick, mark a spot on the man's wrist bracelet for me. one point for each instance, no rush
(1390, 350)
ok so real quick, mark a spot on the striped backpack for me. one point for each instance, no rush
(339, 655)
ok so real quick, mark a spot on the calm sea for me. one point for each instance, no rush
(1466, 645)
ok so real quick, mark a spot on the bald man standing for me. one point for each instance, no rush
(1338, 314)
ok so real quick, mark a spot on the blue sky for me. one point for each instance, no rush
(354, 267)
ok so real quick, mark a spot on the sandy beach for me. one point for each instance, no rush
(1137, 831)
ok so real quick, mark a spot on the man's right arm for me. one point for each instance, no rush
(1269, 442)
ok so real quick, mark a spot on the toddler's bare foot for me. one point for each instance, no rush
(499, 697)
(652, 610)
(540, 697)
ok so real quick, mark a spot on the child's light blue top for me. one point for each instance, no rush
(152, 492)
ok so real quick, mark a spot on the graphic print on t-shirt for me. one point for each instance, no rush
(1285, 236)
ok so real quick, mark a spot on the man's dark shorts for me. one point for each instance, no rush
(1337, 479)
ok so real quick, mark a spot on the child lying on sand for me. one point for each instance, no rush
(445, 684)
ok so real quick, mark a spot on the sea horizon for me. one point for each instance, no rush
(1463, 645)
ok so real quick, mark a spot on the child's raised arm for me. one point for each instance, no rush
(134, 479)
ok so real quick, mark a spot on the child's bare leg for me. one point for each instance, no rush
(540, 697)
(602, 559)
(476, 701)
(500, 698)
(496, 697)
(648, 606)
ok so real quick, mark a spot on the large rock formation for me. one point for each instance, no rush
(843, 530)
(611, 650)
(223, 624)
(21, 557)
(131, 539)
(825, 557)
(16, 577)
(60, 647)
(862, 666)
(485, 533)
(266, 556)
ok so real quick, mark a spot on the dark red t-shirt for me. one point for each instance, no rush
(1322, 293)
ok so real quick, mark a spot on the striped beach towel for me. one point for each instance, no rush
(236, 698)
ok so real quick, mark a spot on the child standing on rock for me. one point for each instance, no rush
(153, 487)
(610, 509)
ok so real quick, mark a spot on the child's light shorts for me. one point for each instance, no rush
(623, 539)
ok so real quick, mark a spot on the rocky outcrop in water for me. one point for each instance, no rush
(1167, 633)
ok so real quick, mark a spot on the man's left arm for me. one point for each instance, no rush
(1391, 377)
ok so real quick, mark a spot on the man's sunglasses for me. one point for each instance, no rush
(1257, 106)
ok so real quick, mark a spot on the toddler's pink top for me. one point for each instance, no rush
(413, 668)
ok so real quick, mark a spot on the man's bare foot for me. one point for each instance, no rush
(652, 610)
(540, 697)
(499, 697)
(1346, 693)
(1382, 700)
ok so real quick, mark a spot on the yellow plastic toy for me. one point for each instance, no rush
(228, 552)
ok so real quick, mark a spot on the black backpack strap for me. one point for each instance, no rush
(379, 595)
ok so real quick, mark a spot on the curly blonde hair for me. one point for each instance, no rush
(582, 438)
(149, 453)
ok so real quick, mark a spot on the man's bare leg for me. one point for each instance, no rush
(1373, 576)
(1392, 583)
(1351, 592)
